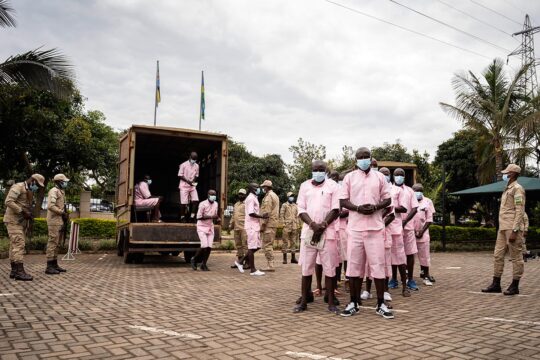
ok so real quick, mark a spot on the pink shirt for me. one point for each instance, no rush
(395, 227)
(142, 191)
(408, 200)
(361, 188)
(252, 207)
(424, 215)
(189, 171)
(317, 201)
(206, 208)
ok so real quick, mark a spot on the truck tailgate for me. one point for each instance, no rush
(167, 233)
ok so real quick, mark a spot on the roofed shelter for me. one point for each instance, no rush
(409, 168)
(530, 184)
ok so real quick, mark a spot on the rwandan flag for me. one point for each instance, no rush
(158, 91)
(203, 105)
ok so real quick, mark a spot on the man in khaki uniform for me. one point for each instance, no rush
(510, 232)
(525, 231)
(270, 205)
(289, 218)
(56, 217)
(237, 225)
(17, 219)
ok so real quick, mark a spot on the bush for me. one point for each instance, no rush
(93, 228)
(227, 245)
(463, 234)
(107, 244)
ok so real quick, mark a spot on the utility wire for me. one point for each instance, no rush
(451, 26)
(477, 19)
(517, 8)
(496, 12)
(407, 29)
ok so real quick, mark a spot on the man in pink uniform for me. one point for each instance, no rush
(365, 193)
(207, 214)
(422, 220)
(143, 197)
(408, 208)
(318, 207)
(253, 227)
(188, 174)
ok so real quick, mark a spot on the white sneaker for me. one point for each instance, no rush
(365, 295)
(427, 282)
(257, 273)
(384, 312)
(387, 296)
(239, 266)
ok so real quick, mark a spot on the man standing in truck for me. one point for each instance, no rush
(188, 174)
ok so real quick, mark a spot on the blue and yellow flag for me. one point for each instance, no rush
(203, 105)
(158, 92)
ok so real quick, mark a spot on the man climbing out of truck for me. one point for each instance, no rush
(143, 197)
(207, 214)
(188, 174)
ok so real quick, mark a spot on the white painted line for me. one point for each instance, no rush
(12, 308)
(8, 294)
(165, 332)
(521, 322)
(483, 293)
(311, 356)
(393, 310)
(453, 267)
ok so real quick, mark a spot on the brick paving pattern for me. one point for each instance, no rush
(104, 309)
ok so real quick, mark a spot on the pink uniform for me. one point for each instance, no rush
(365, 232)
(190, 172)
(408, 200)
(343, 237)
(395, 230)
(143, 195)
(317, 201)
(424, 214)
(205, 228)
(252, 225)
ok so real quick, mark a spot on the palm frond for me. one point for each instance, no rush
(6, 17)
(40, 69)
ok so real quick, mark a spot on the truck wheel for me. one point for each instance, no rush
(128, 258)
(138, 258)
(120, 244)
(188, 255)
(175, 253)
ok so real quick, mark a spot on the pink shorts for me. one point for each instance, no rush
(207, 239)
(343, 243)
(398, 250)
(423, 253)
(327, 257)
(253, 239)
(409, 241)
(366, 247)
(188, 194)
(388, 262)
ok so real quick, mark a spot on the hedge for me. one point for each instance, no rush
(93, 228)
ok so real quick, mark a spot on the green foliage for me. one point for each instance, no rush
(304, 153)
(463, 234)
(106, 244)
(227, 245)
(86, 245)
(392, 152)
(93, 228)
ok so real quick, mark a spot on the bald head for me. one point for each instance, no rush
(318, 165)
(363, 153)
(385, 171)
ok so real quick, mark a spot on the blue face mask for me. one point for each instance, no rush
(318, 176)
(375, 168)
(64, 184)
(258, 191)
(419, 195)
(399, 179)
(33, 187)
(149, 182)
(192, 161)
(387, 177)
(212, 198)
(363, 164)
(505, 178)
(291, 199)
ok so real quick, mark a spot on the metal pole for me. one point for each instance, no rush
(155, 93)
(200, 102)
(443, 209)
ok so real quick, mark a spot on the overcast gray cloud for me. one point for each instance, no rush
(274, 70)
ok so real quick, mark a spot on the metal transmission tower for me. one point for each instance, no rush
(526, 50)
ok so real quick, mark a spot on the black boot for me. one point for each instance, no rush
(284, 258)
(13, 270)
(51, 270)
(20, 274)
(57, 267)
(495, 286)
(513, 289)
(293, 259)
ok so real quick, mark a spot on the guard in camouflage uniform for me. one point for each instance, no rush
(289, 218)
(57, 219)
(18, 219)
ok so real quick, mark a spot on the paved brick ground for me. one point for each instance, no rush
(102, 308)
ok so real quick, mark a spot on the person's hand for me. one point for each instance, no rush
(317, 228)
(265, 216)
(189, 183)
(26, 214)
(418, 234)
(401, 209)
(316, 237)
(513, 236)
(366, 209)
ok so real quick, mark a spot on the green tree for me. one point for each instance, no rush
(40, 69)
(304, 153)
(492, 105)
(391, 152)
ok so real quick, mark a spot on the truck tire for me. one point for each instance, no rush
(128, 258)
(188, 254)
(120, 244)
(138, 258)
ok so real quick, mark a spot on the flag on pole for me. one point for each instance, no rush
(158, 92)
(203, 105)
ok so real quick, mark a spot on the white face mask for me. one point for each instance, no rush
(212, 198)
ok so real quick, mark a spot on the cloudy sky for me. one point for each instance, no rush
(275, 70)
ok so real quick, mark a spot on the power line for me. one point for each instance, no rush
(496, 12)
(451, 26)
(407, 29)
(477, 19)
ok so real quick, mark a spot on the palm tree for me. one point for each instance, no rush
(493, 105)
(40, 69)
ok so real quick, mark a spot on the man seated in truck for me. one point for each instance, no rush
(207, 214)
(188, 174)
(144, 198)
